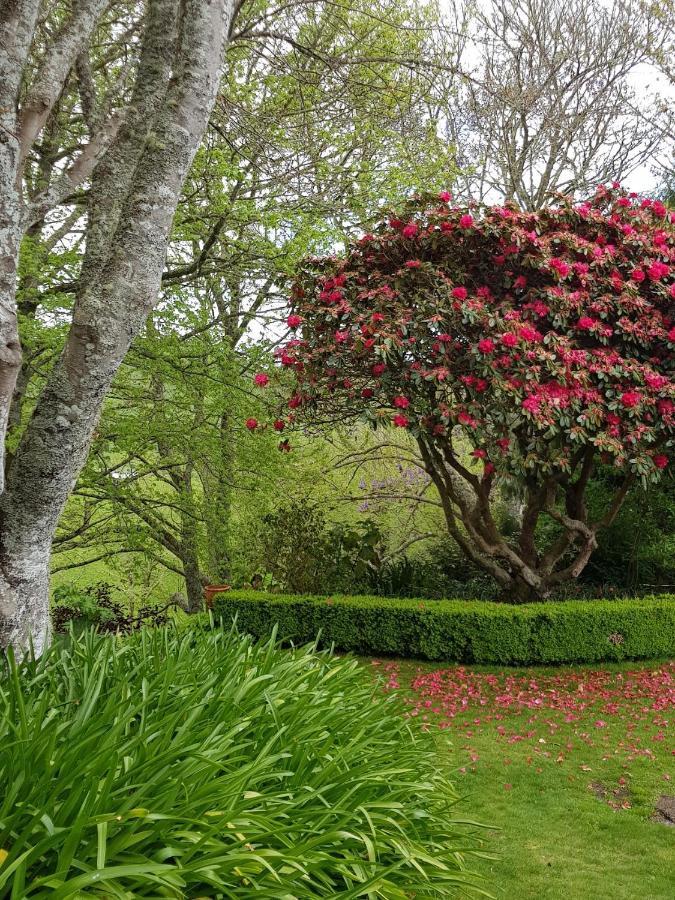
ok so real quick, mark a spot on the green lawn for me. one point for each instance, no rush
(567, 764)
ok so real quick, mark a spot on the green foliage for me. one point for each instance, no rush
(195, 763)
(81, 607)
(464, 631)
(304, 554)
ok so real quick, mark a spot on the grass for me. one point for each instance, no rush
(568, 763)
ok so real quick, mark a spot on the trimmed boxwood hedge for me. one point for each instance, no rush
(463, 631)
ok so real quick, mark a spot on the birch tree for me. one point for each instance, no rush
(134, 163)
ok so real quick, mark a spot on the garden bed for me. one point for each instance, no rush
(463, 631)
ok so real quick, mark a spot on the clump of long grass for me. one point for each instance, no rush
(196, 763)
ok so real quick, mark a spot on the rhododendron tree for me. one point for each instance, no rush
(511, 345)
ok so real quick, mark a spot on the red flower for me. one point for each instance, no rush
(295, 401)
(341, 337)
(486, 345)
(445, 196)
(261, 379)
(585, 323)
(488, 469)
(251, 424)
(447, 226)
(660, 461)
(637, 275)
(503, 443)
(460, 293)
(532, 403)
(400, 420)
(378, 369)
(410, 230)
(466, 221)
(480, 453)
(279, 424)
(294, 321)
(401, 402)
(413, 264)
(630, 399)
(509, 339)
(284, 446)
(367, 393)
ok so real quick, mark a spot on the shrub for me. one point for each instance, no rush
(465, 631)
(82, 608)
(195, 763)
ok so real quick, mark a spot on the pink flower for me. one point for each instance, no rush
(413, 264)
(445, 196)
(251, 424)
(560, 266)
(585, 323)
(658, 270)
(509, 339)
(465, 419)
(341, 337)
(658, 208)
(520, 283)
(637, 275)
(528, 333)
(294, 321)
(671, 334)
(261, 379)
(486, 345)
(480, 453)
(400, 420)
(460, 293)
(401, 402)
(410, 230)
(466, 221)
(630, 399)
(660, 461)
(531, 404)
(279, 424)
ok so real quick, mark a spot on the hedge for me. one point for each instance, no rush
(569, 631)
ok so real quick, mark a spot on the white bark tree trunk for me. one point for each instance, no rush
(135, 190)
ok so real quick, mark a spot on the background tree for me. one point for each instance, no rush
(313, 128)
(550, 101)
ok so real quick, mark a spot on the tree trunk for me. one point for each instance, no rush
(127, 238)
(218, 506)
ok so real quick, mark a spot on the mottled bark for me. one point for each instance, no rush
(135, 191)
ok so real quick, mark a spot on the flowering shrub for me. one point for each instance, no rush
(543, 340)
